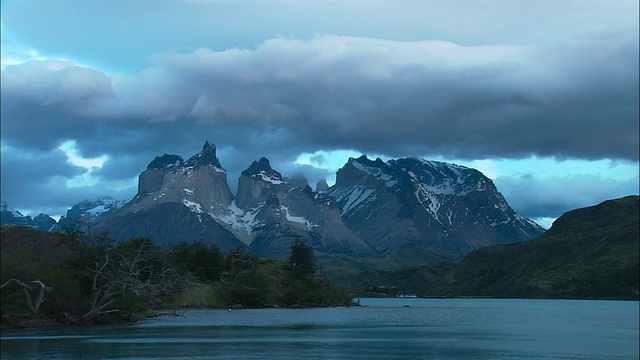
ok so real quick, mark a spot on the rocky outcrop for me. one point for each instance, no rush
(412, 202)
(200, 183)
(269, 213)
(176, 200)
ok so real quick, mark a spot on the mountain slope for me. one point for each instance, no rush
(411, 202)
(588, 253)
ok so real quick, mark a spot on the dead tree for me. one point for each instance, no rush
(34, 308)
(102, 291)
(125, 273)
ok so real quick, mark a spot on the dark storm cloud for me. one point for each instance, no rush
(45, 103)
(421, 97)
(287, 96)
(30, 177)
(371, 95)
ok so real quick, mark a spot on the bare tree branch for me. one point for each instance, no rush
(33, 308)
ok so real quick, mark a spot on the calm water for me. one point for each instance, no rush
(383, 329)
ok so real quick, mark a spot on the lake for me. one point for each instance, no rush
(381, 329)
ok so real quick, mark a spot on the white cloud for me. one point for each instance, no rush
(73, 156)
(70, 149)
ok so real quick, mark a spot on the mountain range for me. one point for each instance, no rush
(375, 208)
(14, 217)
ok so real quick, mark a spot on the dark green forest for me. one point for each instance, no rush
(78, 277)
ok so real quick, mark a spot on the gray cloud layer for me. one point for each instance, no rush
(374, 96)
(552, 197)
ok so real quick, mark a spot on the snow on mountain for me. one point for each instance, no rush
(297, 219)
(265, 177)
(349, 198)
(88, 212)
(241, 220)
(10, 216)
(374, 208)
(411, 202)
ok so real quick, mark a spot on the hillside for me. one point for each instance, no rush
(589, 253)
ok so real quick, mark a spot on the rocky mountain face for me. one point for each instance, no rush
(89, 212)
(10, 216)
(411, 202)
(191, 201)
(374, 209)
(269, 212)
(178, 200)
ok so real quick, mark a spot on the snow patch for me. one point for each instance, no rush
(267, 178)
(240, 219)
(296, 219)
(377, 173)
(354, 196)
(195, 207)
(96, 210)
(427, 199)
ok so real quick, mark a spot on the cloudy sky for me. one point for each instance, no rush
(541, 96)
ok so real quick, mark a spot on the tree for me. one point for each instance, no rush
(301, 261)
(205, 262)
(237, 260)
(250, 288)
(124, 276)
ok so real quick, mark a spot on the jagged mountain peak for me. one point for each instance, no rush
(261, 169)
(364, 160)
(256, 166)
(322, 185)
(207, 157)
(165, 161)
(208, 146)
(11, 216)
(362, 170)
